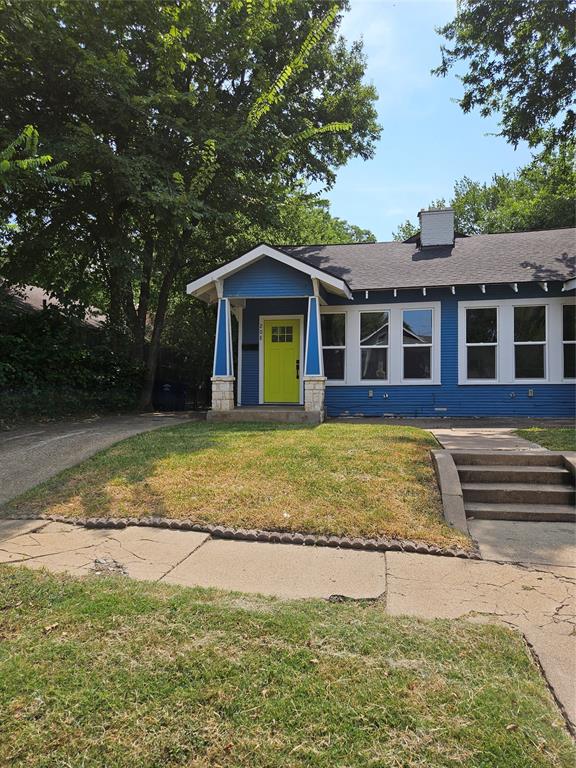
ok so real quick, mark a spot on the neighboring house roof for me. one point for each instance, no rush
(501, 258)
(30, 298)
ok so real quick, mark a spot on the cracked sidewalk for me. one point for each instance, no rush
(539, 602)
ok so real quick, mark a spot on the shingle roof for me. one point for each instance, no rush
(502, 258)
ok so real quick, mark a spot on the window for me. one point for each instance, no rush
(569, 340)
(417, 343)
(530, 342)
(374, 334)
(282, 333)
(481, 342)
(333, 344)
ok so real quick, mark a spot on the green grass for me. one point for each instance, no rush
(112, 672)
(342, 479)
(556, 439)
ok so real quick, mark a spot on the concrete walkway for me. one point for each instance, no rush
(539, 603)
(32, 454)
(482, 438)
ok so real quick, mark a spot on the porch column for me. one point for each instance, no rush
(314, 379)
(223, 368)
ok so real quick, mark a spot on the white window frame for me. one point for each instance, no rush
(374, 346)
(418, 346)
(495, 344)
(570, 379)
(352, 369)
(531, 343)
(338, 346)
(554, 362)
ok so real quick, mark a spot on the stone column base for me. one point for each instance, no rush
(222, 393)
(314, 387)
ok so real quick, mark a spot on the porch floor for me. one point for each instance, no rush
(284, 414)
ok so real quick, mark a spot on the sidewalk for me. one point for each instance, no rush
(539, 603)
(478, 438)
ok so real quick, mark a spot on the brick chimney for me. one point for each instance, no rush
(436, 227)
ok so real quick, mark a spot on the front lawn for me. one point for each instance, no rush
(112, 672)
(555, 439)
(341, 479)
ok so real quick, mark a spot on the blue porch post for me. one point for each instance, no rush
(314, 379)
(223, 367)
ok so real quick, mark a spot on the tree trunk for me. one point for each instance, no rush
(145, 402)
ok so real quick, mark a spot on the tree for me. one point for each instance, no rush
(539, 196)
(521, 63)
(405, 231)
(183, 113)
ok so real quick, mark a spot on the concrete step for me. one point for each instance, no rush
(552, 513)
(278, 415)
(508, 458)
(500, 473)
(518, 493)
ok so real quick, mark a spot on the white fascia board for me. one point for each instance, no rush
(199, 286)
(569, 285)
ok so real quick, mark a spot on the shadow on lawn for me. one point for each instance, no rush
(128, 465)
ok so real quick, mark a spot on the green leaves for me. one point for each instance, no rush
(274, 94)
(521, 64)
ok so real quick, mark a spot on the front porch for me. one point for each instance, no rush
(272, 368)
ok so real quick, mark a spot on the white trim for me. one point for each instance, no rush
(463, 357)
(240, 318)
(261, 319)
(199, 286)
(569, 285)
(229, 349)
(352, 355)
(435, 336)
(554, 362)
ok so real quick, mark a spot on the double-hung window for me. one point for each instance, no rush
(569, 340)
(334, 344)
(374, 339)
(417, 344)
(529, 342)
(481, 343)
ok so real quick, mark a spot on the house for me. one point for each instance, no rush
(448, 325)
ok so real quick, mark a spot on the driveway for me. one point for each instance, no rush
(31, 455)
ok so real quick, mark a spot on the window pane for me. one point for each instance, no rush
(374, 363)
(481, 363)
(373, 328)
(570, 361)
(334, 363)
(417, 363)
(529, 323)
(333, 330)
(481, 325)
(529, 361)
(417, 326)
(569, 322)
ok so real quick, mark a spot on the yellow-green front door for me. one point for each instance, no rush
(282, 360)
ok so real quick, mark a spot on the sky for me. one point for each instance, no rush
(427, 142)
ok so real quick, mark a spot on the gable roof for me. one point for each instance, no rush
(500, 258)
(206, 285)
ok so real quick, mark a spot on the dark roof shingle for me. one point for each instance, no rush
(502, 258)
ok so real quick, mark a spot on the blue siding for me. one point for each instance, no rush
(221, 352)
(250, 358)
(450, 399)
(447, 399)
(266, 278)
(312, 352)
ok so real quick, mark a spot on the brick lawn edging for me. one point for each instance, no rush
(382, 544)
